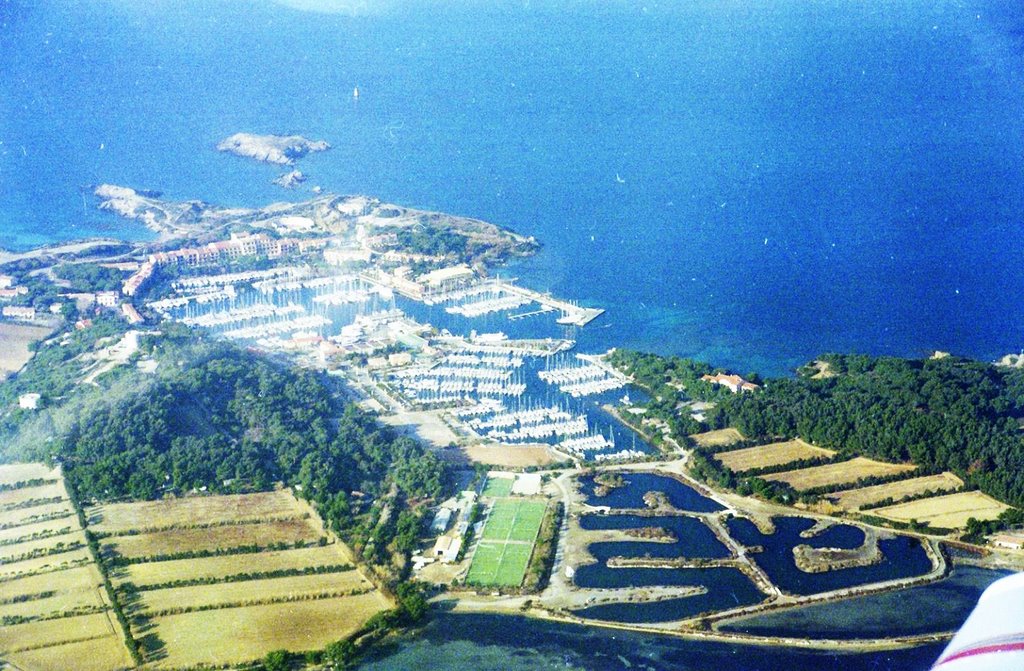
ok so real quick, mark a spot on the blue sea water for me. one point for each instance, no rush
(748, 183)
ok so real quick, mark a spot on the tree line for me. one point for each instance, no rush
(941, 414)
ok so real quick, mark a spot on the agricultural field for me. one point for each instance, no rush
(718, 438)
(211, 539)
(227, 593)
(855, 499)
(119, 517)
(299, 590)
(24, 496)
(27, 515)
(950, 511)
(218, 568)
(43, 529)
(844, 472)
(45, 564)
(775, 454)
(53, 603)
(234, 635)
(506, 544)
(11, 474)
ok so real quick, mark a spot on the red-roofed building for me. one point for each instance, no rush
(238, 246)
(131, 314)
(734, 383)
(132, 285)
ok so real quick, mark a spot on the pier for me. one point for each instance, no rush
(572, 314)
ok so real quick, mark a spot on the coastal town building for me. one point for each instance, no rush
(446, 548)
(107, 299)
(139, 278)
(13, 292)
(444, 279)
(340, 256)
(237, 247)
(131, 314)
(6, 281)
(441, 521)
(18, 312)
(123, 266)
(1011, 540)
(29, 401)
(733, 383)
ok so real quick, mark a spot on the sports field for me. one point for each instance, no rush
(506, 544)
(513, 520)
(498, 487)
(499, 564)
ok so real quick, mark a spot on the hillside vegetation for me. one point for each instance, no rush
(941, 414)
(217, 418)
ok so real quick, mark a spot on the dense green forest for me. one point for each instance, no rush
(221, 418)
(432, 241)
(943, 414)
(90, 276)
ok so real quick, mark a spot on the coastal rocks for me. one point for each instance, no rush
(290, 180)
(164, 217)
(278, 149)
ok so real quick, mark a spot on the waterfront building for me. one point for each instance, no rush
(733, 383)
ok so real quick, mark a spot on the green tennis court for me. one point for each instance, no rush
(503, 554)
(499, 564)
(514, 520)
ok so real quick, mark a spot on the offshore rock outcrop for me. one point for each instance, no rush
(277, 149)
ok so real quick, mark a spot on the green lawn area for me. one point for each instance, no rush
(498, 487)
(514, 520)
(506, 543)
(499, 564)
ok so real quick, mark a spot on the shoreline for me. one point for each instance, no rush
(462, 607)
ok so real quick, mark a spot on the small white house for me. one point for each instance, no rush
(29, 401)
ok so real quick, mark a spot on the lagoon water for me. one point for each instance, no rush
(694, 540)
(903, 556)
(637, 484)
(747, 183)
(455, 643)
